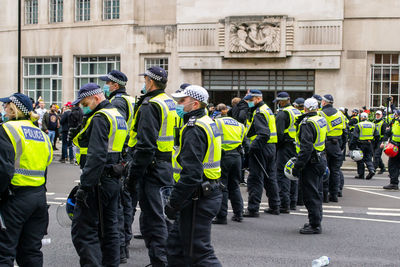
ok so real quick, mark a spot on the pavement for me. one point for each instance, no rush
(361, 230)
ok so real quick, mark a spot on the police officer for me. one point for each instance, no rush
(394, 162)
(364, 135)
(152, 137)
(25, 154)
(319, 99)
(114, 90)
(232, 133)
(299, 104)
(381, 126)
(261, 131)
(354, 119)
(311, 163)
(94, 230)
(336, 139)
(196, 195)
(286, 149)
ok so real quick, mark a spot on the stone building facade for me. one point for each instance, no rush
(349, 48)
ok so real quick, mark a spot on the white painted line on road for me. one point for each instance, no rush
(53, 202)
(60, 198)
(50, 193)
(350, 218)
(366, 186)
(332, 207)
(384, 209)
(77, 181)
(374, 178)
(383, 214)
(374, 193)
(326, 211)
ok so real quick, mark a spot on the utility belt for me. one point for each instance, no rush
(15, 190)
(333, 139)
(234, 151)
(165, 156)
(364, 142)
(208, 186)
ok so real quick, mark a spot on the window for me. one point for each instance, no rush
(385, 79)
(56, 11)
(223, 85)
(31, 11)
(111, 9)
(161, 62)
(43, 77)
(89, 69)
(82, 10)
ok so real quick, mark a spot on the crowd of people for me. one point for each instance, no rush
(133, 151)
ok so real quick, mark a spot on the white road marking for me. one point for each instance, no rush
(350, 218)
(384, 209)
(53, 202)
(50, 193)
(366, 186)
(374, 193)
(60, 198)
(332, 207)
(77, 181)
(384, 214)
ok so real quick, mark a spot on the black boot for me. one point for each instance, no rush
(220, 221)
(333, 198)
(308, 229)
(253, 214)
(370, 175)
(292, 205)
(237, 218)
(284, 210)
(273, 211)
(340, 194)
(391, 187)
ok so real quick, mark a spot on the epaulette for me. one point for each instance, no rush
(118, 95)
(192, 121)
(304, 121)
(146, 101)
(257, 110)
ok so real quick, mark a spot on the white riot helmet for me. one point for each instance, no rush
(356, 155)
(288, 169)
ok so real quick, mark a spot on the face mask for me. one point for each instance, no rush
(86, 110)
(3, 116)
(106, 90)
(180, 110)
(251, 104)
(143, 91)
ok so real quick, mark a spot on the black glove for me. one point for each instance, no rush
(72, 132)
(170, 212)
(81, 196)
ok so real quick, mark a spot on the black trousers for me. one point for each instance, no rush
(378, 162)
(257, 179)
(26, 217)
(334, 157)
(179, 237)
(125, 216)
(366, 148)
(92, 249)
(394, 166)
(311, 186)
(153, 226)
(287, 188)
(230, 177)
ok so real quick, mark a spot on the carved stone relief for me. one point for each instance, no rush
(264, 36)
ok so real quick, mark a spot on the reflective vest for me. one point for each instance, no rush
(232, 132)
(165, 140)
(367, 130)
(269, 116)
(354, 125)
(321, 129)
(33, 152)
(130, 101)
(378, 126)
(396, 132)
(212, 158)
(294, 113)
(335, 123)
(116, 136)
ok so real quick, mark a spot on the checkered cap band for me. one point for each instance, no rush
(19, 105)
(112, 78)
(90, 93)
(198, 95)
(153, 76)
